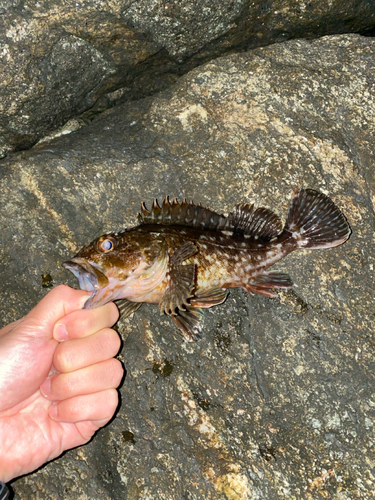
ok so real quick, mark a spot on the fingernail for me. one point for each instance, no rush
(53, 411)
(60, 332)
(45, 388)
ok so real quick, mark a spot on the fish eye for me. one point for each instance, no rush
(106, 245)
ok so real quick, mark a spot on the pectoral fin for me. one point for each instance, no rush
(190, 322)
(265, 283)
(181, 281)
(183, 252)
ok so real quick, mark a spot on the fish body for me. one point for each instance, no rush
(185, 257)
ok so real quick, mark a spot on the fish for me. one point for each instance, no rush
(184, 257)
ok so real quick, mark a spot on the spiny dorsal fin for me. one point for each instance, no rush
(184, 214)
(257, 223)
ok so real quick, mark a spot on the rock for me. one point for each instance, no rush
(58, 60)
(277, 399)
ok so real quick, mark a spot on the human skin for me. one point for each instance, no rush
(58, 379)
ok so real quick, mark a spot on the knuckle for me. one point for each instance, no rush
(63, 359)
(112, 399)
(115, 313)
(111, 341)
(116, 371)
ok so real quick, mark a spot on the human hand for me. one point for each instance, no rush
(55, 394)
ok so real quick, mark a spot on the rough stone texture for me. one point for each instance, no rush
(277, 400)
(58, 59)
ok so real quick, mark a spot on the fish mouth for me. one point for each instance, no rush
(89, 277)
(93, 280)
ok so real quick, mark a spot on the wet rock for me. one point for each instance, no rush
(277, 399)
(59, 59)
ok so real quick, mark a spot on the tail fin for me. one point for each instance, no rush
(315, 221)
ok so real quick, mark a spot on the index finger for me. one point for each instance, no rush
(85, 322)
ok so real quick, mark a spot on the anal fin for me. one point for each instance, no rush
(126, 307)
(265, 283)
(211, 297)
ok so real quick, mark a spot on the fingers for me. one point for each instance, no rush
(92, 379)
(85, 322)
(84, 388)
(99, 406)
(76, 354)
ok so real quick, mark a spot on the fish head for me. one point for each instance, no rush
(111, 265)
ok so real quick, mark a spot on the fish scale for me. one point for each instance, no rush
(185, 257)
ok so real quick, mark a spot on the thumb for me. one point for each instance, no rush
(59, 302)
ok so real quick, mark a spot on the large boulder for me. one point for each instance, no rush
(58, 59)
(277, 399)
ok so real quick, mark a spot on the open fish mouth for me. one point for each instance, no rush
(89, 277)
(93, 280)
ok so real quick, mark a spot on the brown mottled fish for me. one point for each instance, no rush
(184, 257)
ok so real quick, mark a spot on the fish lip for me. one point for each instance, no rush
(92, 279)
(84, 272)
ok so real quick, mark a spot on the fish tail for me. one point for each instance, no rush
(315, 221)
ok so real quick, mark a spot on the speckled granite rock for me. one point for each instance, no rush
(277, 399)
(58, 59)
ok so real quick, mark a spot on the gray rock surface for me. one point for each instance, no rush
(58, 59)
(277, 399)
